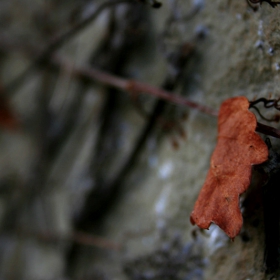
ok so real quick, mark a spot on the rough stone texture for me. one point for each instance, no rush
(41, 196)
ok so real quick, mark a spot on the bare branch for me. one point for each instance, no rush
(131, 86)
(272, 3)
(268, 130)
(77, 237)
(58, 41)
(267, 103)
(153, 3)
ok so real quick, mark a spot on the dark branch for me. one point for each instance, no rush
(268, 103)
(273, 4)
(153, 3)
(275, 118)
(58, 41)
(268, 130)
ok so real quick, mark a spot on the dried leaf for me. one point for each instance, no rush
(238, 147)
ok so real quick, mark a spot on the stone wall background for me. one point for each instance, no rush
(74, 204)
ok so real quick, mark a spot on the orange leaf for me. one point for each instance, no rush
(238, 147)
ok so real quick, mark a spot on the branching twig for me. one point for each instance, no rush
(131, 86)
(268, 103)
(275, 118)
(138, 87)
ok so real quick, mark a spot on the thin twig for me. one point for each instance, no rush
(271, 3)
(138, 87)
(118, 82)
(268, 130)
(275, 118)
(58, 41)
(131, 86)
(77, 237)
(97, 241)
(267, 103)
(153, 3)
